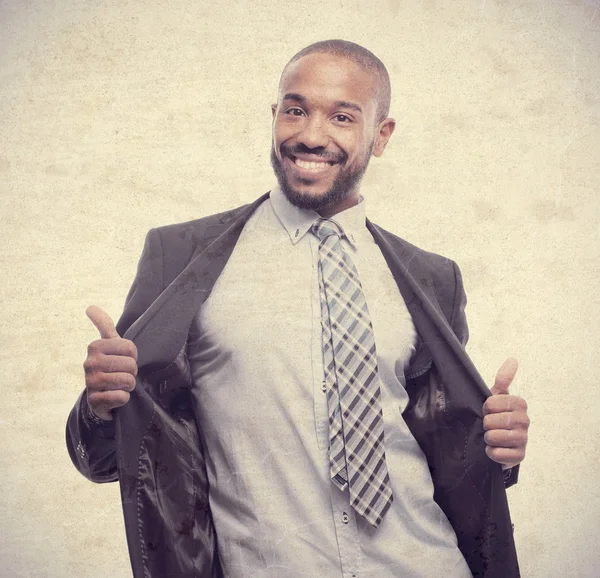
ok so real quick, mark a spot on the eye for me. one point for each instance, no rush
(342, 118)
(294, 111)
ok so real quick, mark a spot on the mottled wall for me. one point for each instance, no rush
(118, 116)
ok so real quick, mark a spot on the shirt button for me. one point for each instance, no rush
(345, 518)
(323, 386)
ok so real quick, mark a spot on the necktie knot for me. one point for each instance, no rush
(324, 228)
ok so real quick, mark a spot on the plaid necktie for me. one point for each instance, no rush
(356, 452)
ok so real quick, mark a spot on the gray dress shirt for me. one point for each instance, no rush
(257, 365)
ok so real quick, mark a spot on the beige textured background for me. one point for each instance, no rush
(118, 116)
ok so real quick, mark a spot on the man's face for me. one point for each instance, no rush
(324, 131)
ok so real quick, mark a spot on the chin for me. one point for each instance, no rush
(313, 200)
(308, 194)
(308, 191)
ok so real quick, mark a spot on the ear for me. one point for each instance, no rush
(384, 132)
(274, 110)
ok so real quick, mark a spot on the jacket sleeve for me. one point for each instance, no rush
(91, 447)
(91, 444)
(459, 325)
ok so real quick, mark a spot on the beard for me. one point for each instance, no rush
(342, 187)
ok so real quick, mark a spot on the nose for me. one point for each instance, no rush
(313, 133)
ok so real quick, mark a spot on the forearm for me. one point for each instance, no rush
(92, 447)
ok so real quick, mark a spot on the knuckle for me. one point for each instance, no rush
(131, 367)
(112, 399)
(502, 454)
(519, 404)
(517, 442)
(131, 349)
(113, 380)
(97, 346)
(121, 381)
(94, 399)
(491, 404)
(92, 382)
(120, 398)
(133, 383)
(521, 420)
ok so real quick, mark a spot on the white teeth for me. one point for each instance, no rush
(310, 165)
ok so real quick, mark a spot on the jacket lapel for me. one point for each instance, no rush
(416, 286)
(446, 420)
(161, 332)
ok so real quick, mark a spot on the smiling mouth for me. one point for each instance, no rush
(311, 165)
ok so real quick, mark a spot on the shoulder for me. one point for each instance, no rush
(186, 236)
(191, 232)
(418, 261)
(197, 230)
(436, 278)
(179, 242)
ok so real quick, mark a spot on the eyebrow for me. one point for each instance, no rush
(338, 104)
(346, 104)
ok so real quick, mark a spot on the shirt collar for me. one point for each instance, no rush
(297, 222)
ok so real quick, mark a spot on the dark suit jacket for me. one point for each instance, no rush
(158, 455)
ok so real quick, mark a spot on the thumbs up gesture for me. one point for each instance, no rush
(110, 366)
(505, 419)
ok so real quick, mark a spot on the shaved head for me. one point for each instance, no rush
(360, 56)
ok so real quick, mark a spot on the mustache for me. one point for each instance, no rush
(317, 151)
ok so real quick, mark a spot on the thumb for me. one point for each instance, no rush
(104, 324)
(504, 377)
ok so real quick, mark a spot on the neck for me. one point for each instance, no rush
(348, 202)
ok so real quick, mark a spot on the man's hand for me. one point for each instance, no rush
(110, 367)
(505, 420)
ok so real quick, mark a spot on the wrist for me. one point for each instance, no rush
(92, 419)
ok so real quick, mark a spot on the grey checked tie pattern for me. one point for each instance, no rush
(356, 445)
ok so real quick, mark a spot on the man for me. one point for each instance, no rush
(290, 389)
